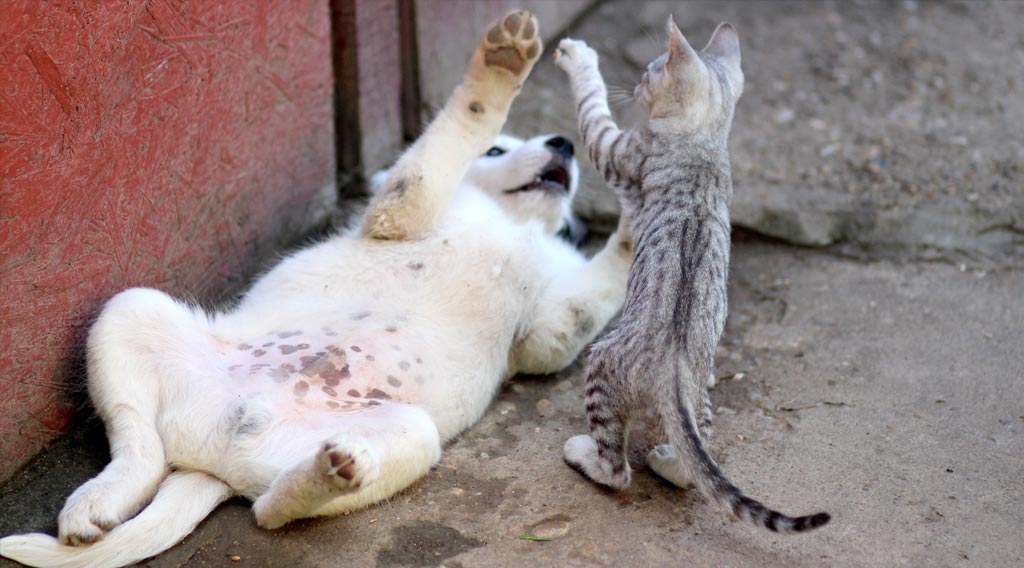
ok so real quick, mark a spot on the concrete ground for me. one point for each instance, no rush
(886, 394)
(883, 384)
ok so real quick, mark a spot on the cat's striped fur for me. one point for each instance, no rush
(672, 175)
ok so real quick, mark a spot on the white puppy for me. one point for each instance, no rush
(336, 379)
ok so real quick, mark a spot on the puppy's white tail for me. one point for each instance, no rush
(182, 501)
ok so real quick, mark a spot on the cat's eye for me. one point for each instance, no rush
(495, 151)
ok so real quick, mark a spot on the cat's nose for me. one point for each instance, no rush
(560, 144)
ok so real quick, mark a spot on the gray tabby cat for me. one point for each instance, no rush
(672, 176)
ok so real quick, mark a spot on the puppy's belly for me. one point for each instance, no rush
(336, 371)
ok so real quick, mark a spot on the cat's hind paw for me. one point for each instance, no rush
(581, 453)
(664, 461)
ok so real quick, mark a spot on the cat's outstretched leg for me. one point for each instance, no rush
(419, 187)
(612, 150)
(576, 307)
(134, 333)
(601, 456)
(375, 453)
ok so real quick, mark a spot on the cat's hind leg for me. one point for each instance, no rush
(418, 189)
(373, 454)
(601, 455)
(135, 333)
(664, 460)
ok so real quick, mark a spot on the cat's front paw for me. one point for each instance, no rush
(573, 54)
(348, 465)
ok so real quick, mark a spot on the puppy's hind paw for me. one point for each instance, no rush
(83, 519)
(349, 465)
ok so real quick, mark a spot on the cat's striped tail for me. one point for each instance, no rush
(699, 467)
(182, 501)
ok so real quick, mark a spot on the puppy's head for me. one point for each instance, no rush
(533, 179)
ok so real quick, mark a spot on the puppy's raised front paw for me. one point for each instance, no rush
(512, 44)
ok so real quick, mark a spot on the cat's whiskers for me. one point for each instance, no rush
(618, 96)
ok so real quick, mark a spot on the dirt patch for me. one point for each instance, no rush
(424, 544)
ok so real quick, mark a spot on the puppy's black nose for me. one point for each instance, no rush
(560, 144)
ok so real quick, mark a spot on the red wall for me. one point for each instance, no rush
(158, 143)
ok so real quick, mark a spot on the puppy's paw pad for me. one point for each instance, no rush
(513, 43)
(349, 465)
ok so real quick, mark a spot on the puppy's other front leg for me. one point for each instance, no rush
(576, 307)
(420, 186)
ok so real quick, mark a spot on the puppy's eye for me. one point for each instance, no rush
(494, 151)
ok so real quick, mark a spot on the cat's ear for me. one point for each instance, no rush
(724, 44)
(679, 49)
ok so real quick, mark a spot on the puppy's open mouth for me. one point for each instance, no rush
(552, 180)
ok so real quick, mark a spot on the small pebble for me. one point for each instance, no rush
(544, 407)
(784, 116)
(550, 529)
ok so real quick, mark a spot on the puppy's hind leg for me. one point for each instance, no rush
(374, 454)
(418, 189)
(137, 331)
